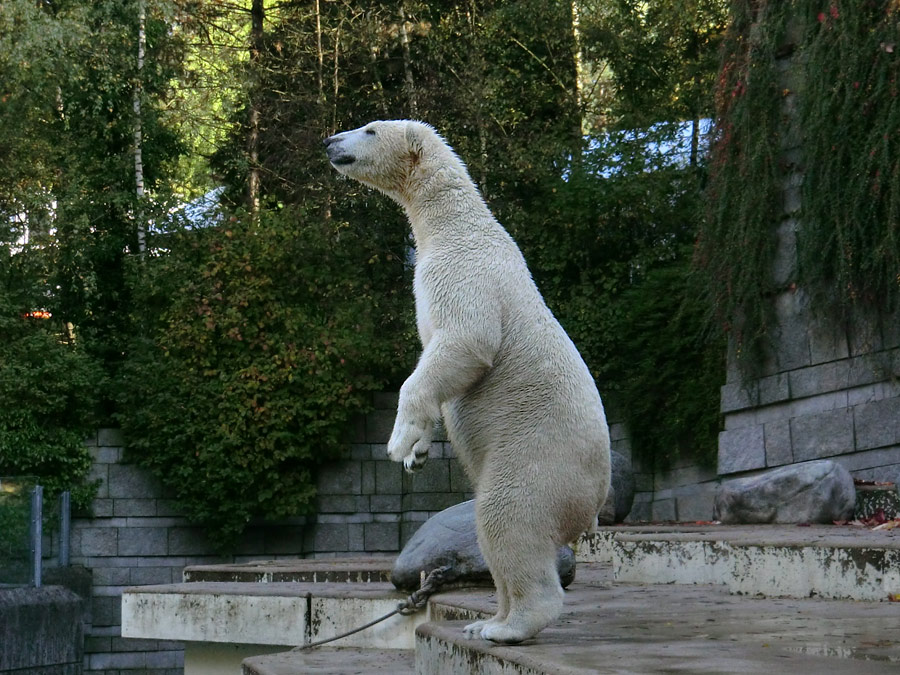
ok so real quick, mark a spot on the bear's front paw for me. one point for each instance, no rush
(410, 442)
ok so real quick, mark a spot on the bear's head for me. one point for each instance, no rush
(386, 155)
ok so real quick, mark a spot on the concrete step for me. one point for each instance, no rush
(276, 613)
(333, 661)
(341, 570)
(839, 562)
(609, 627)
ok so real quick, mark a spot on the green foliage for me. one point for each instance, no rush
(238, 350)
(848, 116)
(611, 261)
(736, 245)
(260, 343)
(668, 377)
(662, 57)
(48, 392)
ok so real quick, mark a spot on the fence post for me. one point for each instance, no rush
(37, 504)
(65, 513)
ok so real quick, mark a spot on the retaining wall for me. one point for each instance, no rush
(827, 387)
(136, 536)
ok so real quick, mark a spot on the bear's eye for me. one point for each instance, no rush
(370, 132)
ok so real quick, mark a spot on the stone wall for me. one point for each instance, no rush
(826, 387)
(136, 536)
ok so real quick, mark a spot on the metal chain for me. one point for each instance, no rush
(413, 603)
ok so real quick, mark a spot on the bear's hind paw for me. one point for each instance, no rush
(473, 630)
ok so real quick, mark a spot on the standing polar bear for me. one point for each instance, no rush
(520, 407)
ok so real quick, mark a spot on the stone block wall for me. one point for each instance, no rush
(846, 409)
(135, 534)
(827, 388)
(685, 493)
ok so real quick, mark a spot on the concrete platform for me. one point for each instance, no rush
(609, 627)
(341, 570)
(329, 661)
(652, 607)
(276, 613)
(840, 562)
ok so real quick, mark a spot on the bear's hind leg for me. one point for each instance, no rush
(519, 550)
(533, 604)
(473, 630)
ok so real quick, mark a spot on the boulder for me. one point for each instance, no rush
(813, 492)
(621, 491)
(448, 539)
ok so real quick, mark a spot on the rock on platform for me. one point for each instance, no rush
(814, 492)
(448, 539)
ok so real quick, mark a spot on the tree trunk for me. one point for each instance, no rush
(138, 131)
(407, 67)
(695, 139)
(320, 55)
(257, 17)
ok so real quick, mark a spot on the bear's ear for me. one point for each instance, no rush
(416, 134)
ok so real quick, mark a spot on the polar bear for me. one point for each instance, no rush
(520, 407)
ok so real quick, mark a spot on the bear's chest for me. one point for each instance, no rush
(424, 321)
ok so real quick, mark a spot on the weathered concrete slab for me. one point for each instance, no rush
(40, 630)
(773, 561)
(330, 661)
(274, 613)
(620, 628)
(265, 614)
(342, 570)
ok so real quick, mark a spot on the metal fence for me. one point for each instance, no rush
(28, 529)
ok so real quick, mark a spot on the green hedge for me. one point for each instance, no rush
(260, 341)
(48, 395)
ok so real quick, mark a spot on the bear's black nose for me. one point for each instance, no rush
(328, 141)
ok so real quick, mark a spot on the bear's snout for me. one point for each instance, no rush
(336, 155)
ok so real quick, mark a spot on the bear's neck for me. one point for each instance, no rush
(441, 203)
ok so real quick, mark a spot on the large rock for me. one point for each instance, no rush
(621, 491)
(448, 539)
(814, 492)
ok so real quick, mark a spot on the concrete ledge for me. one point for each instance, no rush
(343, 570)
(40, 630)
(267, 613)
(673, 599)
(327, 661)
(683, 629)
(771, 561)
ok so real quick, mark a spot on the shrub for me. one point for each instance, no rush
(260, 341)
(48, 389)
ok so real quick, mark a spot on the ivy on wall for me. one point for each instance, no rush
(850, 114)
(845, 55)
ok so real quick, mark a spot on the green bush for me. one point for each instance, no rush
(260, 341)
(48, 394)
(669, 370)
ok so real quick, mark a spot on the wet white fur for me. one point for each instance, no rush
(520, 407)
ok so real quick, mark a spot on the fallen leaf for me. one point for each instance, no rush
(889, 525)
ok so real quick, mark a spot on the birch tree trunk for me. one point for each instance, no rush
(257, 18)
(407, 67)
(138, 131)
